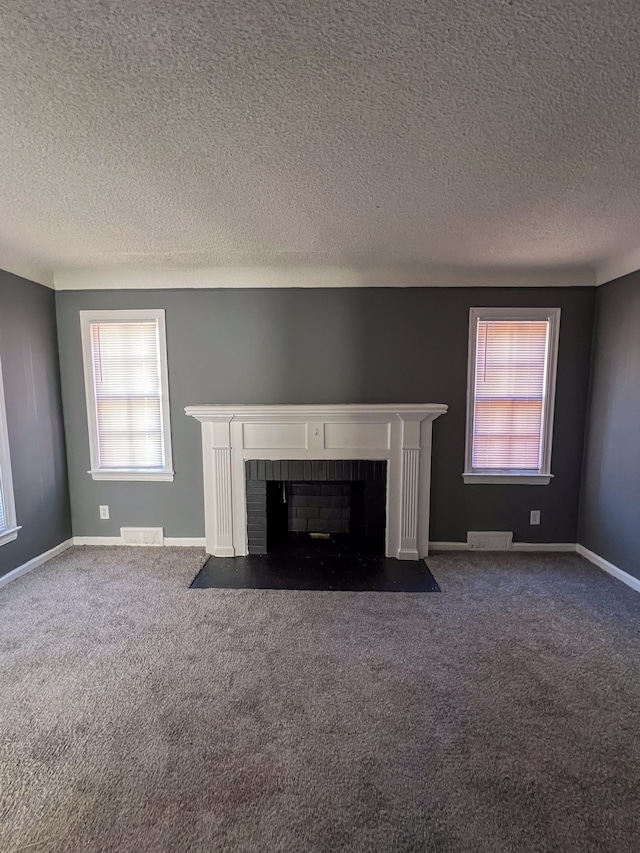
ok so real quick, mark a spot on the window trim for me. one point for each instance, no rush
(510, 476)
(165, 474)
(10, 532)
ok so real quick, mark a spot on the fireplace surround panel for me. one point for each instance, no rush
(399, 434)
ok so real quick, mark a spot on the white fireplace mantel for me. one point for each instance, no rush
(397, 433)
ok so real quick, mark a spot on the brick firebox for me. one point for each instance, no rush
(318, 496)
(319, 507)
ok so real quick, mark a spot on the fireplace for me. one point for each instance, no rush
(339, 504)
(397, 435)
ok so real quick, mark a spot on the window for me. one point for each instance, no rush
(126, 381)
(511, 392)
(8, 525)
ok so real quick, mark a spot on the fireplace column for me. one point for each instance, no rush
(216, 435)
(410, 479)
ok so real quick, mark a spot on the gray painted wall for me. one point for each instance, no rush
(29, 353)
(610, 505)
(330, 346)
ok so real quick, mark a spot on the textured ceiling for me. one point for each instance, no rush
(482, 134)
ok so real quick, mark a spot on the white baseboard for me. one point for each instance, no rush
(544, 546)
(35, 562)
(516, 546)
(179, 541)
(97, 540)
(608, 567)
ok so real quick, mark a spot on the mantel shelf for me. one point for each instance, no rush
(375, 411)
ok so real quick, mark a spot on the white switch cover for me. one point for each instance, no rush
(534, 516)
(104, 512)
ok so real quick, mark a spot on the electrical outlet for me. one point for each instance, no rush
(534, 516)
(104, 512)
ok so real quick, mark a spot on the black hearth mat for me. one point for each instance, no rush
(316, 571)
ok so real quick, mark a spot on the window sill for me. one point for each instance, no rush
(9, 535)
(136, 475)
(508, 479)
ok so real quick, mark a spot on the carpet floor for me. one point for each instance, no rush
(137, 714)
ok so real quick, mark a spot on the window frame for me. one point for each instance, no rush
(10, 532)
(165, 474)
(543, 476)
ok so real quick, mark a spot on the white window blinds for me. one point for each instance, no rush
(128, 395)
(509, 394)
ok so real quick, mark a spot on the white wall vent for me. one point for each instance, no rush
(489, 540)
(142, 535)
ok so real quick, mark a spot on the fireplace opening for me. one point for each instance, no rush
(330, 508)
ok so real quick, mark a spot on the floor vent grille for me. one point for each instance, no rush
(142, 535)
(489, 540)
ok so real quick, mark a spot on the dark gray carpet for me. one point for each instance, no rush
(137, 714)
